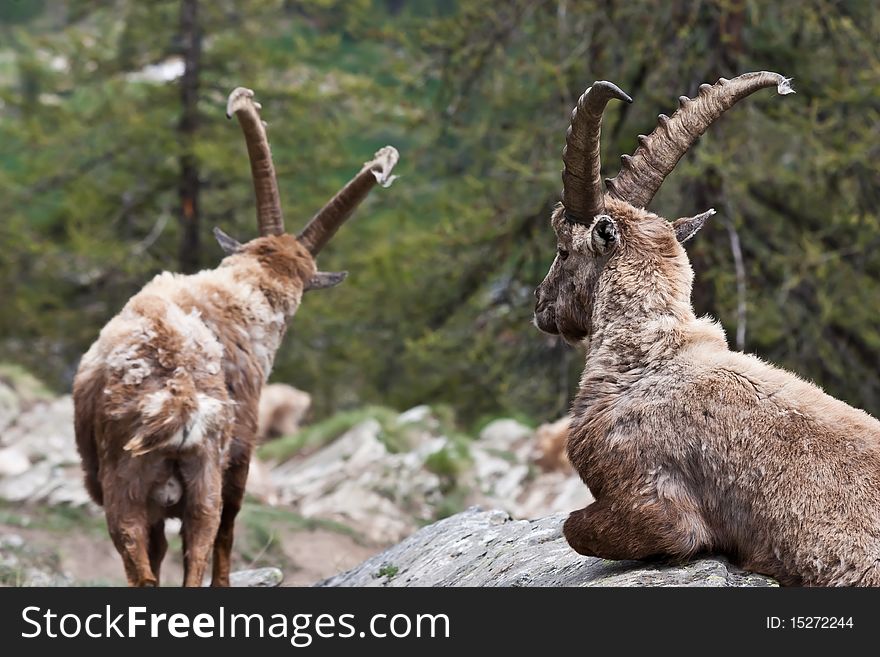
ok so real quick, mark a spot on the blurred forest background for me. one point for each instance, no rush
(117, 161)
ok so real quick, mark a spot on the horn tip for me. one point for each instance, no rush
(382, 163)
(388, 153)
(611, 89)
(238, 99)
(784, 87)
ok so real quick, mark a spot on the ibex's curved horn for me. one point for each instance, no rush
(657, 154)
(328, 219)
(269, 217)
(582, 192)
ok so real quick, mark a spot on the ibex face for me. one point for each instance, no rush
(608, 246)
(565, 297)
(609, 257)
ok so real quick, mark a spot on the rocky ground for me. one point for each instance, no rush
(319, 503)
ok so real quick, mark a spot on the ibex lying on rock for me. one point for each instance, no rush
(166, 399)
(686, 445)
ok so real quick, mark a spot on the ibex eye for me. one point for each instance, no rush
(563, 254)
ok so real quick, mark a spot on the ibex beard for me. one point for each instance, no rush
(687, 446)
(166, 400)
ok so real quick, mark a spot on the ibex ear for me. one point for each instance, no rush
(230, 245)
(604, 234)
(687, 227)
(324, 279)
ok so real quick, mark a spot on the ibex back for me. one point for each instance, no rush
(166, 399)
(686, 445)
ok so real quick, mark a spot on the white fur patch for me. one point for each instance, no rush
(125, 360)
(661, 324)
(154, 403)
(264, 326)
(197, 336)
(119, 347)
(208, 417)
(92, 358)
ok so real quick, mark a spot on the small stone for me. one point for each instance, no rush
(269, 577)
(11, 541)
(503, 434)
(414, 415)
(13, 462)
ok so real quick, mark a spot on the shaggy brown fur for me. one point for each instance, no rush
(688, 446)
(166, 403)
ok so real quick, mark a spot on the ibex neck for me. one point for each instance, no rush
(282, 294)
(638, 341)
(632, 345)
(641, 312)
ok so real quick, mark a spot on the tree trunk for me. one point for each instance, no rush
(191, 49)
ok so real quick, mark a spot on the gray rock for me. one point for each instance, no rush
(257, 578)
(13, 461)
(357, 482)
(45, 432)
(46, 483)
(41, 578)
(504, 434)
(489, 548)
(415, 415)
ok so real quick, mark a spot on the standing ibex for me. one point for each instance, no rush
(686, 445)
(166, 399)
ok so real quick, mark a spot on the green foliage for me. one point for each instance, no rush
(387, 570)
(55, 518)
(448, 462)
(27, 387)
(476, 96)
(453, 501)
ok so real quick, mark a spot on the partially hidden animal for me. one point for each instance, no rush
(166, 400)
(282, 410)
(689, 447)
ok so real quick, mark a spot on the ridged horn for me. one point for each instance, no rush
(657, 154)
(270, 219)
(582, 193)
(328, 219)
